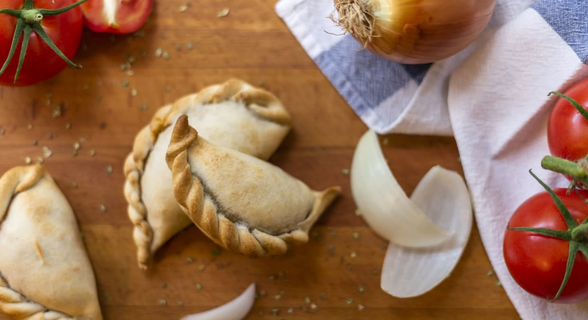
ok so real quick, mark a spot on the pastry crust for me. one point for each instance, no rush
(233, 114)
(45, 272)
(242, 203)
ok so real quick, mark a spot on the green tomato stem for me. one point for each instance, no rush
(29, 20)
(580, 233)
(31, 16)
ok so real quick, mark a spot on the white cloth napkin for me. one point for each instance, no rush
(492, 97)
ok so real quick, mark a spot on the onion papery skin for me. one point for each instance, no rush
(422, 31)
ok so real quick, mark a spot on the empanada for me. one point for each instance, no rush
(45, 272)
(244, 204)
(234, 115)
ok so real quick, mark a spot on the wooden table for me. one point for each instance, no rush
(253, 44)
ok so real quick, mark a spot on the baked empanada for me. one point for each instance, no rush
(234, 115)
(242, 203)
(45, 272)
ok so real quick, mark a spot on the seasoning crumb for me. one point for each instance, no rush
(130, 73)
(313, 307)
(272, 277)
(357, 212)
(99, 99)
(125, 83)
(201, 268)
(360, 307)
(158, 52)
(49, 136)
(102, 208)
(162, 302)
(40, 160)
(46, 152)
(498, 283)
(184, 7)
(361, 289)
(356, 235)
(67, 126)
(345, 172)
(179, 47)
(86, 86)
(216, 252)
(74, 185)
(109, 169)
(198, 286)
(223, 13)
(134, 92)
(35, 142)
(275, 312)
(164, 285)
(99, 83)
(28, 160)
(279, 295)
(123, 66)
(353, 255)
(348, 301)
(190, 46)
(144, 107)
(102, 125)
(490, 273)
(307, 300)
(384, 246)
(76, 146)
(323, 296)
(180, 303)
(167, 89)
(262, 293)
(385, 141)
(189, 260)
(331, 250)
(82, 139)
(74, 153)
(291, 310)
(165, 55)
(29, 126)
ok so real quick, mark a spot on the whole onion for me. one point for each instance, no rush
(414, 31)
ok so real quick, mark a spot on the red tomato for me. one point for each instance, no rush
(537, 262)
(567, 130)
(41, 63)
(116, 16)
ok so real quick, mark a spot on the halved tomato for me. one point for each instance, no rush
(116, 16)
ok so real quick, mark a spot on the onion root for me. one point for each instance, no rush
(356, 17)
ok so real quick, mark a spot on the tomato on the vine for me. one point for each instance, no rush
(46, 26)
(116, 16)
(538, 262)
(567, 130)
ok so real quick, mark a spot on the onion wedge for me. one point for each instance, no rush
(382, 202)
(408, 272)
(234, 310)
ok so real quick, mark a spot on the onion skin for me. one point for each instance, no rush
(422, 31)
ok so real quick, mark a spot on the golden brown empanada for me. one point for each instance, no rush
(45, 272)
(234, 115)
(244, 204)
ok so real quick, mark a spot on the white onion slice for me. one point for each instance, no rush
(408, 272)
(234, 310)
(382, 202)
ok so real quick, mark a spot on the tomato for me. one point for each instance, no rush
(567, 129)
(116, 16)
(41, 62)
(538, 262)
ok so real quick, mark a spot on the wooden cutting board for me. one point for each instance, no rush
(253, 44)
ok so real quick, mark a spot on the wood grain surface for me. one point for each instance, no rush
(253, 44)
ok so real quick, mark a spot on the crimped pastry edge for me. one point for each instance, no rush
(260, 101)
(189, 193)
